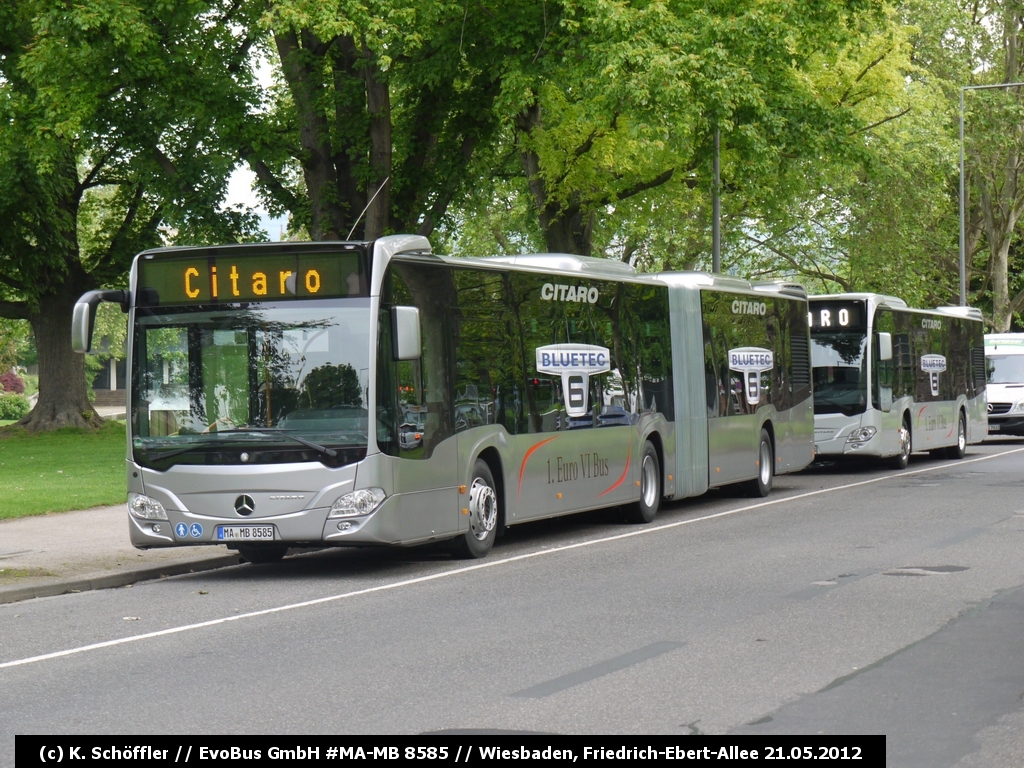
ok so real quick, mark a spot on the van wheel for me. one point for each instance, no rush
(262, 553)
(762, 484)
(483, 515)
(645, 510)
(902, 459)
(957, 451)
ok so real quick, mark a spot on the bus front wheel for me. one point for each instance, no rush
(644, 510)
(902, 459)
(483, 515)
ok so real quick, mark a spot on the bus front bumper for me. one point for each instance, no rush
(308, 527)
(839, 444)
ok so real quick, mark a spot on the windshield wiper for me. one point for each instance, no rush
(321, 449)
(178, 451)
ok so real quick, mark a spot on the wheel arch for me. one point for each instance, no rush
(654, 437)
(769, 427)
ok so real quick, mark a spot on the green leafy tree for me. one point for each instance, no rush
(994, 173)
(618, 113)
(109, 118)
(378, 107)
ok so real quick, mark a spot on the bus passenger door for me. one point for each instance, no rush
(425, 470)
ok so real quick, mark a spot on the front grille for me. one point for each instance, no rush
(998, 408)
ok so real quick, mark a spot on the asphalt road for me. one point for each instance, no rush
(852, 600)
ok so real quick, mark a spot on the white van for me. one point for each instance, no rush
(1004, 354)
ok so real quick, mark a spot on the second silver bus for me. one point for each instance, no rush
(890, 379)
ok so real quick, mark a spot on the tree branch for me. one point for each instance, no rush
(863, 72)
(881, 122)
(636, 189)
(14, 310)
(269, 180)
(10, 282)
(87, 182)
(815, 272)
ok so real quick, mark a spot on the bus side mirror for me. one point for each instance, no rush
(884, 346)
(405, 329)
(84, 316)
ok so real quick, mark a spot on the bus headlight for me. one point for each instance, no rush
(1019, 407)
(861, 435)
(145, 508)
(361, 502)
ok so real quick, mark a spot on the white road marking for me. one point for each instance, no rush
(486, 564)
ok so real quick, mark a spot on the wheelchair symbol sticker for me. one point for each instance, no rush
(196, 530)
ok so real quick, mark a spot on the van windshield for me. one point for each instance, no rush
(1005, 369)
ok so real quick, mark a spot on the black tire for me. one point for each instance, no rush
(262, 553)
(645, 510)
(902, 459)
(483, 515)
(762, 484)
(957, 451)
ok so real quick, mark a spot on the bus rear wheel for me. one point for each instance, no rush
(957, 451)
(262, 553)
(645, 510)
(762, 484)
(483, 515)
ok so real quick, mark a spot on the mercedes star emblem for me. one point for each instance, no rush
(244, 504)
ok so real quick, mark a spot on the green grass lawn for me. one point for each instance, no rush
(61, 471)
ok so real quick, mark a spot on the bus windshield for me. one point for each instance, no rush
(260, 384)
(840, 378)
(1005, 369)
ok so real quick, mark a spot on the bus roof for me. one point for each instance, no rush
(894, 302)
(876, 298)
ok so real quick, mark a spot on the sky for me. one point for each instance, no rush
(240, 192)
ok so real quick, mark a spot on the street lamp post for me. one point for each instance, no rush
(963, 264)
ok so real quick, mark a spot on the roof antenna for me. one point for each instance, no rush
(367, 208)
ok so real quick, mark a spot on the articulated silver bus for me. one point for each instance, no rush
(889, 380)
(290, 394)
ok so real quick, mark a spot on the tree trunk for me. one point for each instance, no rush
(63, 400)
(326, 216)
(566, 229)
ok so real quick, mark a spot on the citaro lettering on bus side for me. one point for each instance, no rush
(749, 307)
(287, 282)
(931, 323)
(562, 292)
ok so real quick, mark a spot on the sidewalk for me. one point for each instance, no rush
(78, 551)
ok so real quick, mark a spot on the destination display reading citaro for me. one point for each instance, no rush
(212, 278)
(373, 393)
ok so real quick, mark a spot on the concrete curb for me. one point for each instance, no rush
(16, 593)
